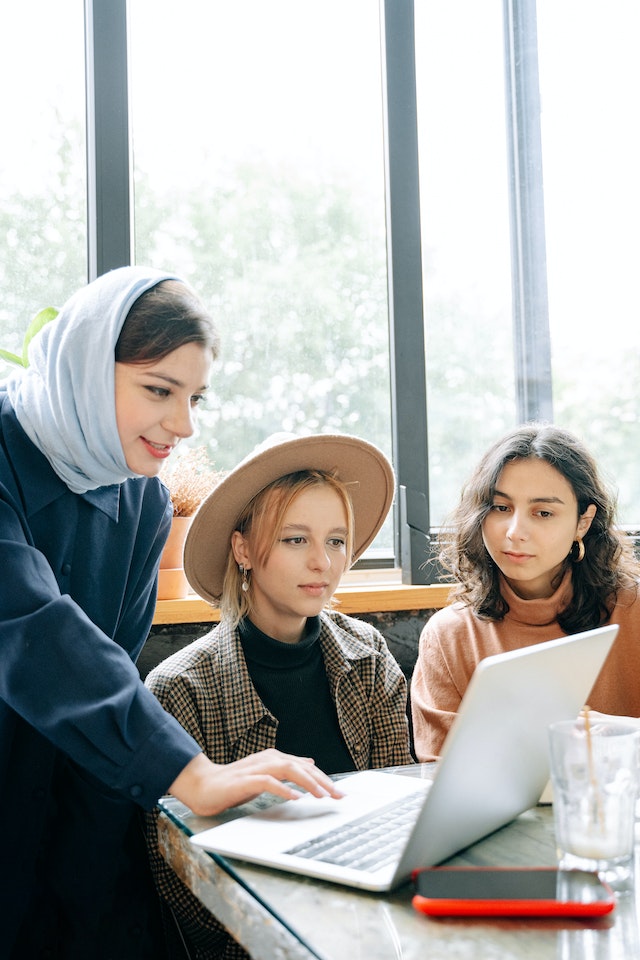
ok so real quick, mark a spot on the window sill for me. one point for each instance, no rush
(354, 599)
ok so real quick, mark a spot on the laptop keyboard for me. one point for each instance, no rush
(368, 843)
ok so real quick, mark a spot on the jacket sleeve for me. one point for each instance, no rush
(71, 682)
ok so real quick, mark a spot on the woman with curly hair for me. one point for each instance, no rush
(535, 554)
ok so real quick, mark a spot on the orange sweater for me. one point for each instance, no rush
(454, 640)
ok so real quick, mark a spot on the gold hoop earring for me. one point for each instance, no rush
(245, 578)
(579, 543)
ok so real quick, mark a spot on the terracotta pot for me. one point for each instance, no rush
(172, 583)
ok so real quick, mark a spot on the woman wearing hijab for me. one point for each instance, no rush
(112, 387)
(282, 668)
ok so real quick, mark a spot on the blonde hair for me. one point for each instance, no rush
(262, 519)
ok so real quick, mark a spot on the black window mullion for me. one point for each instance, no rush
(109, 168)
(404, 267)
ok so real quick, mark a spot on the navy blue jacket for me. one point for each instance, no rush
(82, 741)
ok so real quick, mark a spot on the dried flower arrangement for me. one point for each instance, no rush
(189, 477)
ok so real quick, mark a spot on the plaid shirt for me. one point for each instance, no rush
(207, 687)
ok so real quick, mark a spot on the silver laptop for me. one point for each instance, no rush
(494, 766)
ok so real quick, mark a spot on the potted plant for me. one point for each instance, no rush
(189, 477)
(22, 359)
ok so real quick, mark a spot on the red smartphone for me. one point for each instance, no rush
(510, 892)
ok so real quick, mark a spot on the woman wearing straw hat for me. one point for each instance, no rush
(270, 545)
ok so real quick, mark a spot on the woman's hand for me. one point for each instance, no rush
(208, 788)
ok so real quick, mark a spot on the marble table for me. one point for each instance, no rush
(288, 917)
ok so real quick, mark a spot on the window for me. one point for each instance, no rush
(589, 78)
(464, 193)
(259, 175)
(42, 164)
(414, 222)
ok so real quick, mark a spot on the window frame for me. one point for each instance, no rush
(110, 231)
(109, 156)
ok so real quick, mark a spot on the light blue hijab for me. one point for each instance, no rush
(65, 399)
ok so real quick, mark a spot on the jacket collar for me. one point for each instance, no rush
(340, 649)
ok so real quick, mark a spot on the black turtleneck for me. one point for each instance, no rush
(291, 681)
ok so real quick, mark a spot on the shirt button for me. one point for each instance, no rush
(135, 790)
(66, 569)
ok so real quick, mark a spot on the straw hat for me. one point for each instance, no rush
(356, 462)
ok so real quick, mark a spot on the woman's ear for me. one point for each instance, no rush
(240, 550)
(586, 519)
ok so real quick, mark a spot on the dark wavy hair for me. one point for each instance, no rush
(609, 564)
(162, 319)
